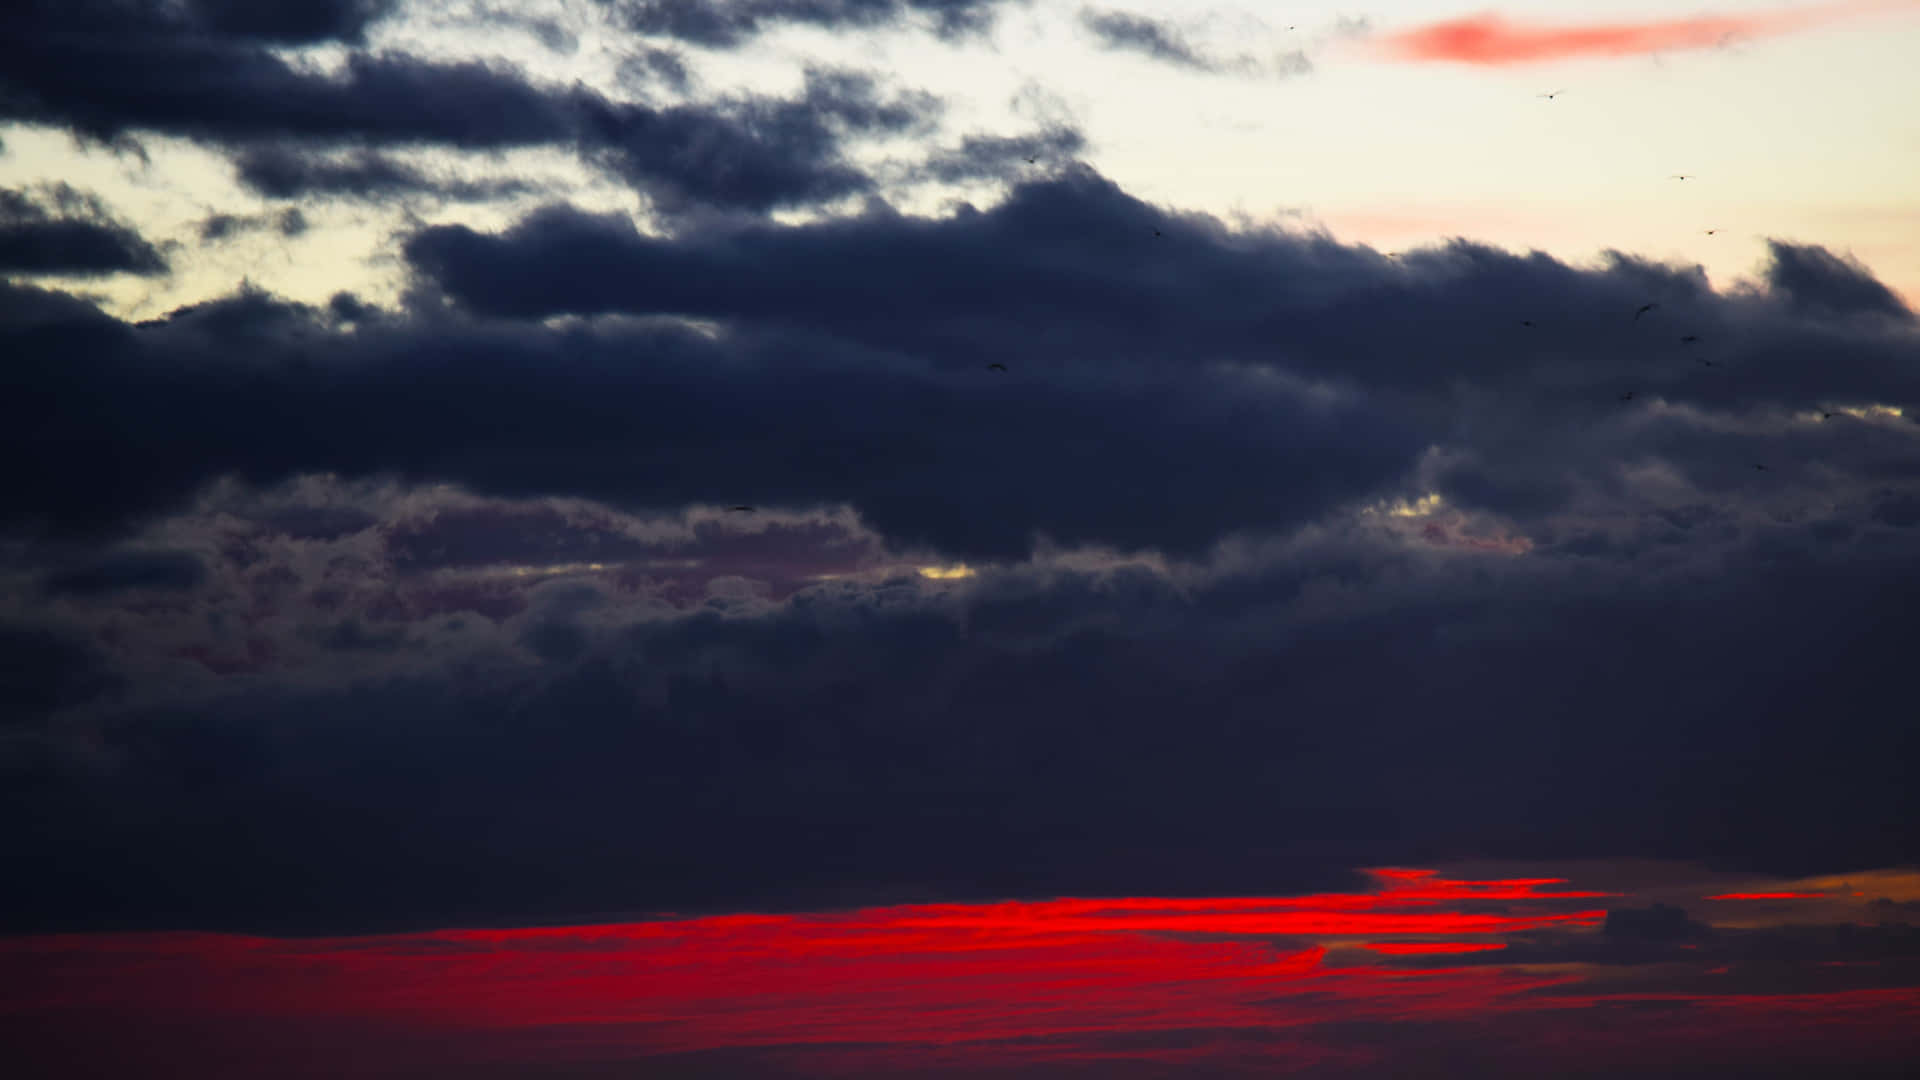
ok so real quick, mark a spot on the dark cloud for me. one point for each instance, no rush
(752, 154)
(719, 24)
(318, 522)
(42, 670)
(286, 22)
(1075, 258)
(1815, 280)
(228, 90)
(1902, 511)
(1002, 157)
(668, 66)
(642, 416)
(1169, 332)
(346, 307)
(1661, 922)
(217, 227)
(1255, 653)
(1149, 37)
(859, 743)
(487, 536)
(1897, 911)
(130, 570)
(749, 153)
(285, 172)
(350, 635)
(1161, 40)
(57, 229)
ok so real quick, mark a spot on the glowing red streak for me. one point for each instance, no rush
(1178, 981)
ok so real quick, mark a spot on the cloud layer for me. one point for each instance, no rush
(1089, 547)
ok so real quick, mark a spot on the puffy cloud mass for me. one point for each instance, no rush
(1074, 546)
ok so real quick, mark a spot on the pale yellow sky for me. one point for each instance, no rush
(1806, 135)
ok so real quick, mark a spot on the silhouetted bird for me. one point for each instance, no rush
(996, 367)
(1709, 363)
(1689, 339)
(1710, 232)
(1628, 396)
(1156, 232)
(1643, 309)
(740, 509)
(1826, 416)
(1553, 95)
(1525, 323)
(1761, 467)
(1683, 176)
(1030, 161)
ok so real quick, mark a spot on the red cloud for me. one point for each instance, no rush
(1490, 39)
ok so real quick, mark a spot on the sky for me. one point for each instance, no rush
(770, 538)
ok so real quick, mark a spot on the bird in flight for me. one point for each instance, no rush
(996, 367)
(1761, 467)
(1689, 339)
(1642, 310)
(1553, 95)
(1709, 363)
(1710, 232)
(1030, 161)
(1527, 324)
(739, 509)
(1628, 396)
(1156, 232)
(1683, 176)
(1826, 416)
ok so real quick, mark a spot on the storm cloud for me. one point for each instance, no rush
(1206, 486)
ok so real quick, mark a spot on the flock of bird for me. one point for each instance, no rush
(1643, 309)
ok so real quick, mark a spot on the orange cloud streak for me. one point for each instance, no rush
(1492, 40)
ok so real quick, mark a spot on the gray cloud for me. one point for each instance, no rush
(1161, 40)
(284, 172)
(720, 24)
(217, 227)
(1150, 37)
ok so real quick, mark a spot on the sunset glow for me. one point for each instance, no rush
(865, 991)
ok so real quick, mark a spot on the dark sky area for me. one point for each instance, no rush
(1056, 544)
